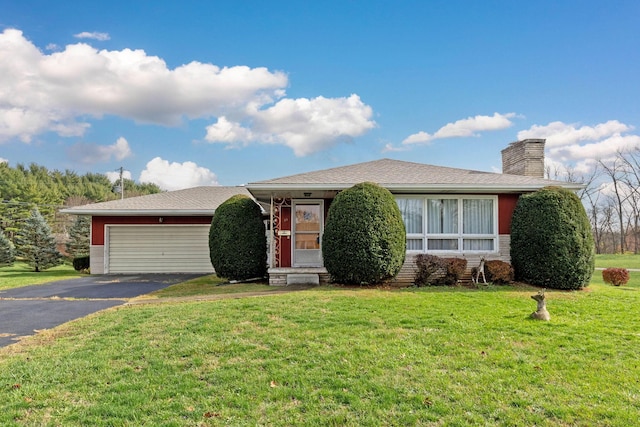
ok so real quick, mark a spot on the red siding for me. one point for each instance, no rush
(285, 241)
(506, 205)
(98, 223)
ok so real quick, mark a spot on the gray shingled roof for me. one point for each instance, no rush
(191, 201)
(396, 175)
(400, 174)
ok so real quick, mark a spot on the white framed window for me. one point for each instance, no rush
(412, 215)
(450, 223)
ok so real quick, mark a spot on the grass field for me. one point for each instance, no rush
(336, 356)
(209, 285)
(20, 274)
(621, 261)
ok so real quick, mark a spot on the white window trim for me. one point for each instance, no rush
(460, 236)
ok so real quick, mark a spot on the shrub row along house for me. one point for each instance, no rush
(447, 212)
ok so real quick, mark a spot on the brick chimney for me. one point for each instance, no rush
(524, 157)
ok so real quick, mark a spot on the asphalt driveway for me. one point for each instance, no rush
(23, 311)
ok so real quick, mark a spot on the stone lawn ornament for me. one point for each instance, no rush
(475, 278)
(541, 313)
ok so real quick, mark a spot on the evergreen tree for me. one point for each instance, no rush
(78, 244)
(36, 243)
(7, 253)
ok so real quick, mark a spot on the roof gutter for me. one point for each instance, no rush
(138, 212)
(419, 188)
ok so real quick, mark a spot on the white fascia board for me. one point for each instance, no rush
(137, 212)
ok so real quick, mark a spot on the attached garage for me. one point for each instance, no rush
(157, 249)
(158, 233)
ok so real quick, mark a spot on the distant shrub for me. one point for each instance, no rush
(364, 240)
(81, 263)
(237, 241)
(455, 270)
(432, 270)
(551, 241)
(428, 268)
(615, 276)
(498, 272)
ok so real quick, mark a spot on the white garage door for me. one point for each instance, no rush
(158, 249)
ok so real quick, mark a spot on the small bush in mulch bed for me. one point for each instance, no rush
(615, 276)
(427, 268)
(498, 272)
(432, 270)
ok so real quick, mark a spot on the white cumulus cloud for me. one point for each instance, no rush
(3, 160)
(92, 35)
(63, 91)
(176, 176)
(229, 132)
(560, 134)
(57, 92)
(304, 125)
(471, 126)
(582, 144)
(93, 153)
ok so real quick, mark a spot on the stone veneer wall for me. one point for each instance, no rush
(524, 157)
(407, 273)
(96, 259)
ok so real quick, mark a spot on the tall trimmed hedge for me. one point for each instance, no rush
(551, 241)
(237, 241)
(364, 240)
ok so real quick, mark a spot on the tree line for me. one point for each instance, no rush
(611, 197)
(25, 189)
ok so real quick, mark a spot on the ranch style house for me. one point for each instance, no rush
(447, 212)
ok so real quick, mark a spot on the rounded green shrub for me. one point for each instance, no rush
(237, 241)
(364, 240)
(551, 241)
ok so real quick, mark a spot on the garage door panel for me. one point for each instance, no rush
(159, 248)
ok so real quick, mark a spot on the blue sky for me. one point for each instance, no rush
(228, 92)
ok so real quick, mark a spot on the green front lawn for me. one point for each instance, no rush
(22, 275)
(210, 285)
(336, 356)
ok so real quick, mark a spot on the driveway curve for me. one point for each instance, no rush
(25, 310)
